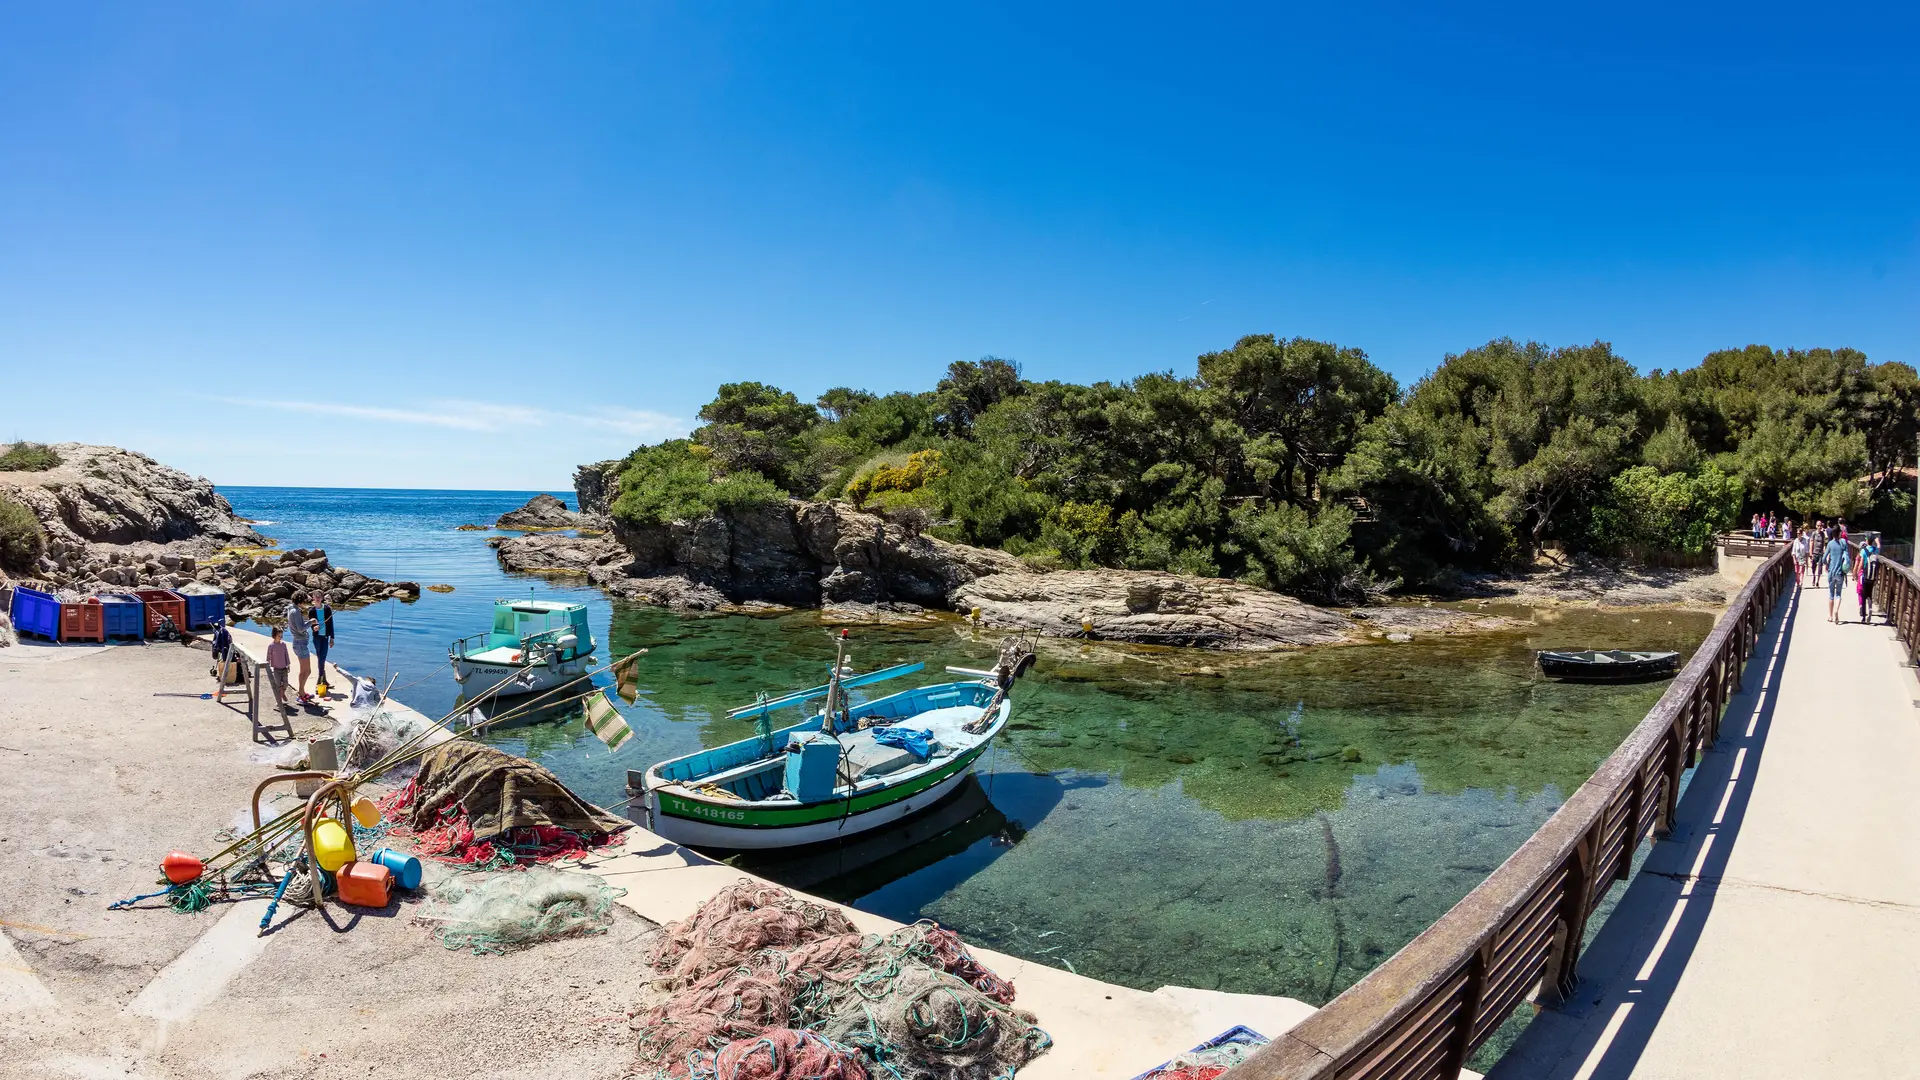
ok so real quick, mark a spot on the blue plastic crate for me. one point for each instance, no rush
(35, 612)
(125, 616)
(1239, 1034)
(205, 609)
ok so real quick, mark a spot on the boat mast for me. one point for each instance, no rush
(836, 693)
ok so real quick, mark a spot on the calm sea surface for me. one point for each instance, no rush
(1274, 825)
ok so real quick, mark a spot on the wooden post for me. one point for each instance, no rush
(1472, 996)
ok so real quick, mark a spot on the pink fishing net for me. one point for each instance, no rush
(755, 959)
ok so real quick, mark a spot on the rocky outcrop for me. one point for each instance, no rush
(1156, 608)
(796, 554)
(543, 511)
(106, 495)
(595, 487)
(116, 519)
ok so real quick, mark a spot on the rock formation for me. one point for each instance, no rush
(116, 519)
(543, 511)
(594, 487)
(798, 554)
(1157, 608)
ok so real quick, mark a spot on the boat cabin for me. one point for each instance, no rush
(523, 625)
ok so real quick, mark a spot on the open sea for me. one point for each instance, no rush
(1275, 824)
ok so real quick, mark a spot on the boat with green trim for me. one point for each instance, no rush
(846, 770)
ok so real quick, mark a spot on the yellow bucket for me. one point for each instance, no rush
(332, 845)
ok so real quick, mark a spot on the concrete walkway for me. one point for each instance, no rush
(1778, 933)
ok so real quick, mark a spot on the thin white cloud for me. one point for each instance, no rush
(487, 416)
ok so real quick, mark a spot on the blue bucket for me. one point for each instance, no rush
(405, 868)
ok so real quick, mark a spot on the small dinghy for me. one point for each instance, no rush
(847, 770)
(1607, 665)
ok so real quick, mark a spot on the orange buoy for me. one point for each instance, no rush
(181, 867)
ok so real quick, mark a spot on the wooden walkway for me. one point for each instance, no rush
(1778, 933)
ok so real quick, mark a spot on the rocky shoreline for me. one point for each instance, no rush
(117, 519)
(850, 564)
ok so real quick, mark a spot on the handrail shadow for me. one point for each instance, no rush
(1675, 889)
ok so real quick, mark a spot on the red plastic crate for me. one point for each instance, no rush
(82, 622)
(161, 602)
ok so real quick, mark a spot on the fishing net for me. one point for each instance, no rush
(780, 1054)
(481, 807)
(755, 959)
(502, 912)
(737, 922)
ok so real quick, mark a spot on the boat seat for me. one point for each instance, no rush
(728, 776)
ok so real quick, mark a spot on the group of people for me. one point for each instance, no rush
(309, 630)
(1769, 527)
(1823, 549)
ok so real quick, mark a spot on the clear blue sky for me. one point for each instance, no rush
(471, 244)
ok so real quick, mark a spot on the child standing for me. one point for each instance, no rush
(278, 661)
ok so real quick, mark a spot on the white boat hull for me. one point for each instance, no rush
(476, 678)
(702, 834)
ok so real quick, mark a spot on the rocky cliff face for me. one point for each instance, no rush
(116, 519)
(798, 554)
(593, 486)
(106, 495)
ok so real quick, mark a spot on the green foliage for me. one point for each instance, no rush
(675, 481)
(881, 475)
(1300, 466)
(21, 540)
(29, 457)
(755, 428)
(1651, 510)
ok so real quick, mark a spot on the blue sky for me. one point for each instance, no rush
(471, 244)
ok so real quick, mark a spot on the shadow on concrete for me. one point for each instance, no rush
(1634, 962)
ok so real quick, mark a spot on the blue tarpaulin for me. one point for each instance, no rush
(913, 740)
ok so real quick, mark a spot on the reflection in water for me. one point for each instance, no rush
(1275, 824)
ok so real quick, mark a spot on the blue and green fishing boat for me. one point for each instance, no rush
(846, 770)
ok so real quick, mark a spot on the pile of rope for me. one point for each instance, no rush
(756, 960)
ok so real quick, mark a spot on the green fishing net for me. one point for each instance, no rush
(497, 913)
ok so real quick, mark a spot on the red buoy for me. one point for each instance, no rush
(181, 867)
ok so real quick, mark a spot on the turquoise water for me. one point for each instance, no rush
(1152, 816)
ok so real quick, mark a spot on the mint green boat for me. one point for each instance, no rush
(844, 771)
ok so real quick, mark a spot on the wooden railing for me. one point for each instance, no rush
(1896, 594)
(1423, 1013)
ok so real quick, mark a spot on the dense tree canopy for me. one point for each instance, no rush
(1301, 466)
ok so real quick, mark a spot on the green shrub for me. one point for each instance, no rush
(1650, 510)
(675, 481)
(888, 473)
(29, 457)
(21, 541)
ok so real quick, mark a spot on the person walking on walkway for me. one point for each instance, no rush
(1869, 550)
(1799, 557)
(300, 636)
(1838, 559)
(277, 664)
(322, 638)
(1818, 546)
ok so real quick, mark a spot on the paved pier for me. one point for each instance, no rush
(1777, 934)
